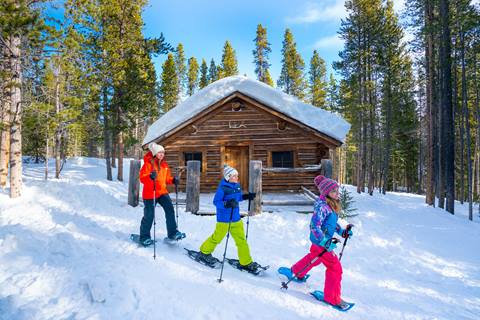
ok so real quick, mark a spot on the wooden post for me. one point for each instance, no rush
(193, 186)
(327, 168)
(255, 185)
(134, 183)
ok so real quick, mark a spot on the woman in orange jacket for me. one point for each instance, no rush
(155, 175)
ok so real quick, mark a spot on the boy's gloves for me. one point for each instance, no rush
(249, 196)
(232, 203)
(153, 175)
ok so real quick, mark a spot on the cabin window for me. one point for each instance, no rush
(193, 156)
(282, 159)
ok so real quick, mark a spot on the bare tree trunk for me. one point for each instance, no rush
(360, 183)
(388, 138)
(107, 135)
(467, 125)
(113, 139)
(120, 156)
(371, 175)
(359, 162)
(364, 153)
(477, 108)
(16, 119)
(440, 157)
(120, 145)
(5, 138)
(58, 131)
(420, 186)
(461, 125)
(46, 156)
(430, 179)
(447, 146)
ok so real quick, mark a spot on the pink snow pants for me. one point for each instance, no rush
(333, 274)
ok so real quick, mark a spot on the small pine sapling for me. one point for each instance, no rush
(346, 199)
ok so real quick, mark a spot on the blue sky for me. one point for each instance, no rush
(204, 25)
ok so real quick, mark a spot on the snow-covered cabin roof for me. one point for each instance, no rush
(321, 120)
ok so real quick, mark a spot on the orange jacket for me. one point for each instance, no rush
(164, 176)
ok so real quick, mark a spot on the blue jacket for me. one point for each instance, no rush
(226, 191)
(324, 222)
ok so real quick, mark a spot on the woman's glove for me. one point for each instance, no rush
(176, 180)
(153, 175)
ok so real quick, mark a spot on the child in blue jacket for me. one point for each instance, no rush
(226, 200)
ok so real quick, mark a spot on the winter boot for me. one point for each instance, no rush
(147, 242)
(251, 267)
(207, 258)
(178, 236)
(287, 272)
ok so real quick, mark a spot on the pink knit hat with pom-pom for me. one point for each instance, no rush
(325, 185)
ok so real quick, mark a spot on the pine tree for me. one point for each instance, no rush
(291, 78)
(347, 202)
(317, 80)
(212, 72)
(169, 86)
(203, 75)
(192, 75)
(229, 66)
(332, 98)
(260, 54)
(181, 68)
(268, 79)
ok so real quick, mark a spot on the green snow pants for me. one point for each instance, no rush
(238, 235)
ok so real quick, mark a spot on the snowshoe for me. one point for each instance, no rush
(287, 272)
(253, 268)
(205, 259)
(343, 306)
(145, 243)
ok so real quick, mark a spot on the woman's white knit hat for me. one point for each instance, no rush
(155, 148)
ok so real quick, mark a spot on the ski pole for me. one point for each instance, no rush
(226, 244)
(285, 284)
(248, 216)
(154, 222)
(345, 242)
(176, 197)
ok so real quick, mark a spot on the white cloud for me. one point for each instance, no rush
(332, 10)
(320, 11)
(333, 42)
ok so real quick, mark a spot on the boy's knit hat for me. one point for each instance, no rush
(155, 148)
(228, 172)
(325, 185)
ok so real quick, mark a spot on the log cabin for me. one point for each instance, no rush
(237, 119)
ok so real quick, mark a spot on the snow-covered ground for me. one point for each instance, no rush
(65, 254)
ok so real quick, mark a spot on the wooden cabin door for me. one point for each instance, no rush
(237, 157)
